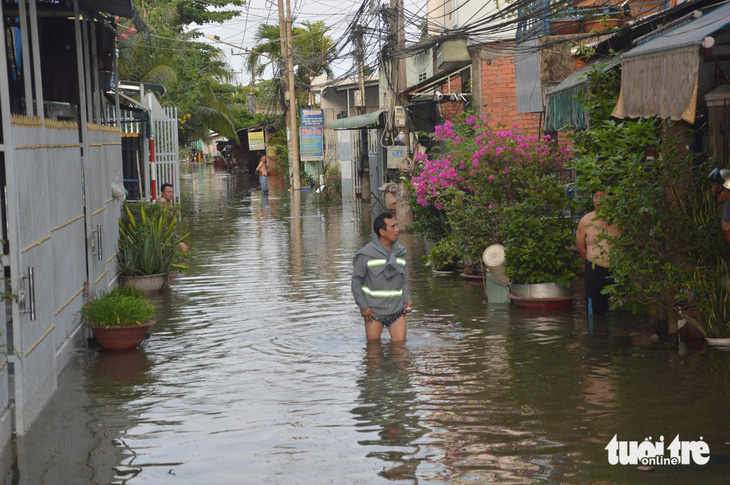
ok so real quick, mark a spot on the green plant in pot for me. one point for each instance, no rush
(712, 288)
(444, 256)
(148, 245)
(537, 233)
(118, 318)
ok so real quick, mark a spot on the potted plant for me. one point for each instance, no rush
(118, 318)
(443, 258)
(537, 235)
(148, 248)
(713, 304)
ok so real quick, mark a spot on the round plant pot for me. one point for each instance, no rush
(718, 342)
(118, 339)
(540, 290)
(149, 283)
(600, 25)
(564, 26)
(529, 303)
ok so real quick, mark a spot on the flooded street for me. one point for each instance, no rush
(258, 372)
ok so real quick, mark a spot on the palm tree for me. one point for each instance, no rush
(313, 50)
(267, 51)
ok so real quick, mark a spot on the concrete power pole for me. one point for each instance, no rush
(296, 181)
(365, 195)
(290, 111)
(404, 213)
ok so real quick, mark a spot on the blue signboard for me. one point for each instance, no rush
(310, 144)
(312, 117)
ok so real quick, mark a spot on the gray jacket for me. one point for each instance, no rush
(380, 278)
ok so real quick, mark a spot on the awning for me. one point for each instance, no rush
(660, 78)
(437, 79)
(563, 108)
(356, 122)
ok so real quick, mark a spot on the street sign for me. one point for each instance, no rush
(256, 140)
(310, 143)
(312, 117)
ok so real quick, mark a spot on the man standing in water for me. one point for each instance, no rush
(380, 282)
(590, 239)
(263, 171)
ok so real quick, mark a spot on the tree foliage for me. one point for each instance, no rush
(656, 196)
(192, 72)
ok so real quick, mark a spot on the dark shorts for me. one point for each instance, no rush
(597, 278)
(389, 320)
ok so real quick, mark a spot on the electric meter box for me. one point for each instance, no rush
(400, 116)
(396, 155)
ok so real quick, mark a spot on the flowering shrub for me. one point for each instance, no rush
(481, 171)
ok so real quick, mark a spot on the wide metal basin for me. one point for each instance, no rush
(540, 290)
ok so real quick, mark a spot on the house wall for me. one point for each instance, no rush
(496, 96)
(452, 14)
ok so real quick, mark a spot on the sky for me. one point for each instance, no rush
(240, 31)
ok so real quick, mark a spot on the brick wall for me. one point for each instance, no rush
(449, 108)
(500, 96)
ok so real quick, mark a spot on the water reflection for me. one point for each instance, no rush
(386, 408)
(257, 372)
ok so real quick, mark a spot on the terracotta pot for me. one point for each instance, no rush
(564, 26)
(118, 339)
(148, 284)
(600, 25)
(528, 303)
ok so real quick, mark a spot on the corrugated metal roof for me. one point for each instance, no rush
(690, 34)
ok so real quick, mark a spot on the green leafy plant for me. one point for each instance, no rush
(148, 245)
(120, 307)
(537, 232)
(657, 197)
(713, 302)
(444, 256)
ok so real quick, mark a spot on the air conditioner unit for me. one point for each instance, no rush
(400, 116)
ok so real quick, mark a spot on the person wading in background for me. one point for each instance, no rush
(263, 171)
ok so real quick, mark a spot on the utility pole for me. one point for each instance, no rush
(404, 213)
(296, 181)
(290, 110)
(365, 194)
(399, 65)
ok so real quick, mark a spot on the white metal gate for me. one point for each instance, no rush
(68, 245)
(104, 169)
(166, 150)
(29, 230)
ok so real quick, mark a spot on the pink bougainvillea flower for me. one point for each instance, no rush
(124, 36)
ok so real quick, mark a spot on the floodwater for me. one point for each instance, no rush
(258, 372)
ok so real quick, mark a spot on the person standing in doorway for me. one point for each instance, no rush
(263, 171)
(380, 282)
(594, 247)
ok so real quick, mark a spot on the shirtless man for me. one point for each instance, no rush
(167, 194)
(263, 172)
(590, 239)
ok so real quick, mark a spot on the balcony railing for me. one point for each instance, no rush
(535, 20)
